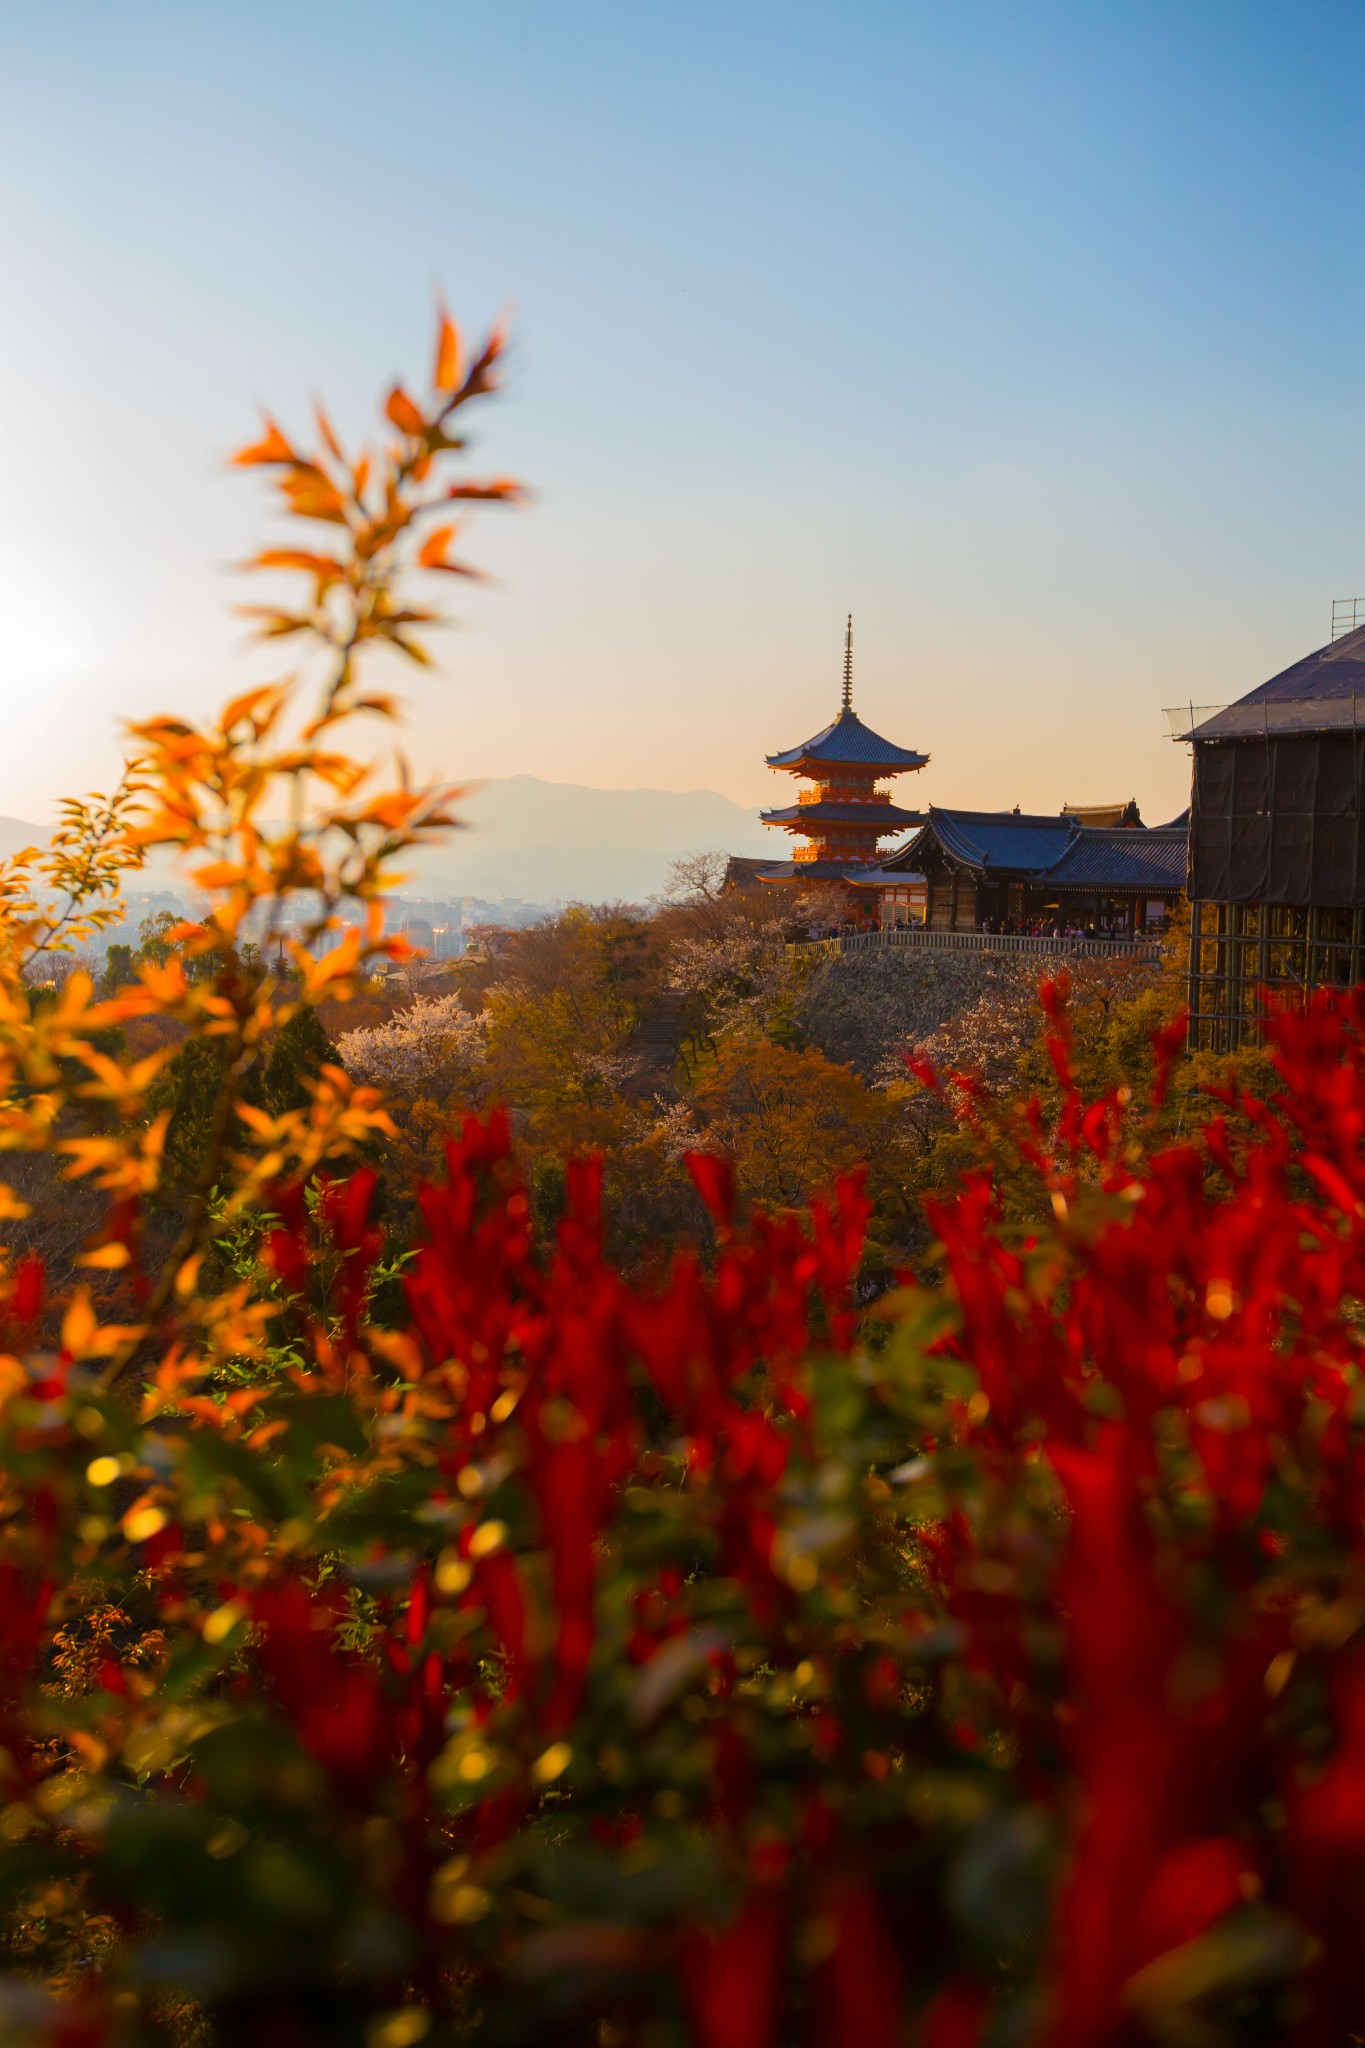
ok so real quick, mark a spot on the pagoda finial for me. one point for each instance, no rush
(848, 664)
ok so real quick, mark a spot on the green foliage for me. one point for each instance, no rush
(190, 1087)
(153, 936)
(301, 1049)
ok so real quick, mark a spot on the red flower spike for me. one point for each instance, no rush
(731, 1977)
(27, 1299)
(858, 1989)
(714, 1180)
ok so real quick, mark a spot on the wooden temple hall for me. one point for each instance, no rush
(1277, 855)
(1089, 869)
(1009, 871)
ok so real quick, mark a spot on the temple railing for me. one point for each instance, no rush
(918, 938)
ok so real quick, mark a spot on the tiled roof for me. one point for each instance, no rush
(812, 871)
(1004, 841)
(1017, 846)
(741, 869)
(1333, 675)
(1126, 813)
(883, 877)
(849, 741)
(1123, 858)
(1337, 670)
(886, 817)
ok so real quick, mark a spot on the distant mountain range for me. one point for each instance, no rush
(543, 841)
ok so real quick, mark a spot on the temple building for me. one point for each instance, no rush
(1003, 871)
(846, 816)
(1277, 853)
(1093, 869)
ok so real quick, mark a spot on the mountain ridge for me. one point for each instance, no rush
(525, 837)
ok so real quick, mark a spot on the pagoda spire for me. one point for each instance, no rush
(848, 664)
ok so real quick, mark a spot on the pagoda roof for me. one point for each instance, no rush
(813, 871)
(847, 742)
(886, 817)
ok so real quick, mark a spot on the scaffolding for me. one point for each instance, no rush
(1237, 950)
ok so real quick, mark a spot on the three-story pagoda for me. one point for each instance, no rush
(847, 815)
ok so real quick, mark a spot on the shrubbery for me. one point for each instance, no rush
(582, 1662)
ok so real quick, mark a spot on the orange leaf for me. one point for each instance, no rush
(312, 499)
(433, 555)
(325, 429)
(298, 558)
(404, 413)
(448, 355)
(498, 488)
(272, 447)
(108, 1257)
(248, 703)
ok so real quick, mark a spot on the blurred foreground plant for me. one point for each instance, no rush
(292, 912)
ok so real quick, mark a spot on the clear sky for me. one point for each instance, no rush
(1030, 332)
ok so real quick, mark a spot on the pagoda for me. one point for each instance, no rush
(844, 819)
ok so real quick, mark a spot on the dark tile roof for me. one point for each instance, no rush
(810, 871)
(1018, 846)
(1122, 858)
(883, 877)
(741, 869)
(1331, 678)
(849, 740)
(1337, 670)
(886, 817)
(1003, 841)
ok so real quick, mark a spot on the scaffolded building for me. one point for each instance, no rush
(1277, 862)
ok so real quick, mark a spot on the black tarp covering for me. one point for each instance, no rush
(1277, 820)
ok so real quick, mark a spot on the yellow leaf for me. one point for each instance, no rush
(223, 1620)
(187, 1275)
(108, 1257)
(552, 1763)
(141, 1522)
(453, 1573)
(79, 1326)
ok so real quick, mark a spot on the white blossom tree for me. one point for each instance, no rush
(431, 1050)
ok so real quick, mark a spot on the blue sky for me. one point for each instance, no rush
(1030, 333)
